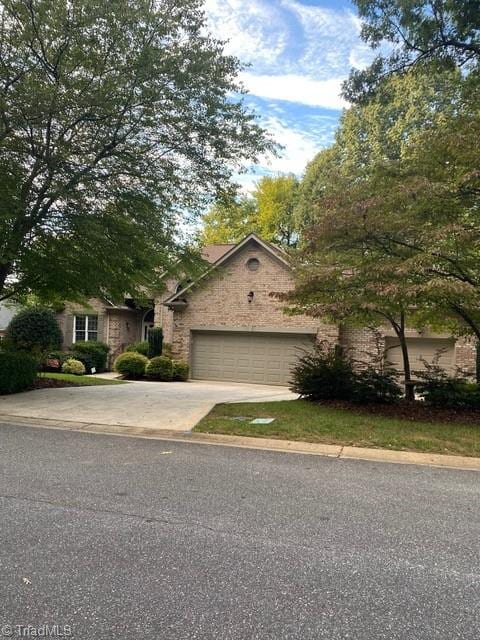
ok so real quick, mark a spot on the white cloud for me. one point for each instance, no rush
(255, 30)
(296, 88)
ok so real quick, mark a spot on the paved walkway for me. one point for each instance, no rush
(175, 406)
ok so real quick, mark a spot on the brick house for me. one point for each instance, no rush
(227, 326)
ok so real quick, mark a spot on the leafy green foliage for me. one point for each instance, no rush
(92, 354)
(131, 364)
(327, 374)
(180, 371)
(18, 371)
(159, 368)
(324, 374)
(155, 342)
(34, 329)
(443, 31)
(376, 386)
(74, 367)
(439, 389)
(269, 212)
(138, 347)
(115, 119)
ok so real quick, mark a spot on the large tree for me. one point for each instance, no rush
(268, 211)
(394, 205)
(412, 33)
(115, 118)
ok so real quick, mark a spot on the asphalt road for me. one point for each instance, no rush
(123, 538)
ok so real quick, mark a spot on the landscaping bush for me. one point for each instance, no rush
(139, 347)
(155, 342)
(438, 389)
(74, 367)
(324, 374)
(18, 371)
(160, 368)
(131, 364)
(93, 354)
(55, 356)
(372, 385)
(35, 330)
(180, 371)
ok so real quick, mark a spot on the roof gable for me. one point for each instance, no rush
(275, 252)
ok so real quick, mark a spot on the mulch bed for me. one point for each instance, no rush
(414, 411)
(52, 383)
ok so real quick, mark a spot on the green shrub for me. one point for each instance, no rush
(18, 371)
(131, 364)
(439, 389)
(35, 330)
(180, 370)
(155, 342)
(74, 367)
(324, 374)
(160, 368)
(93, 354)
(371, 385)
(139, 347)
(52, 356)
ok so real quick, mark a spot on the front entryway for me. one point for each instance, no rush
(261, 358)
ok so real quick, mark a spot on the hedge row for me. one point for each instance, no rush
(18, 371)
(134, 365)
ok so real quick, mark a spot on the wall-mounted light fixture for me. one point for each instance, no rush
(250, 296)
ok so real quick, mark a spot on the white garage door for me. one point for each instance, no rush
(262, 358)
(420, 349)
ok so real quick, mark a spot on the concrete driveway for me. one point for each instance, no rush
(176, 406)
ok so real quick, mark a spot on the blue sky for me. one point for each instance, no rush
(299, 53)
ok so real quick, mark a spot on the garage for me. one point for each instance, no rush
(259, 358)
(420, 350)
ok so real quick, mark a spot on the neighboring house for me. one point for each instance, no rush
(227, 325)
(7, 311)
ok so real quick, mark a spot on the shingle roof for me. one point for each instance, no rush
(213, 252)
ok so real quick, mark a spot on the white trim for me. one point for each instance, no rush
(86, 331)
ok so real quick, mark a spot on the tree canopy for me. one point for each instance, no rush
(115, 119)
(268, 211)
(417, 32)
(391, 225)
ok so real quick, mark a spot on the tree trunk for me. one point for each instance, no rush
(399, 329)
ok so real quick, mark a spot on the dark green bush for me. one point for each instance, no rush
(180, 370)
(93, 354)
(35, 330)
(324, 374)
(371, 385)
(131, 364)
(439, 389)
(155, 342)
(139, 347)
(18, 371)
(159, 368)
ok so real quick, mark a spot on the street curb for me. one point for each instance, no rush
(243, 442)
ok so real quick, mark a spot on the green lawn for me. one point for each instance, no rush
(302, 420)
(81, 381)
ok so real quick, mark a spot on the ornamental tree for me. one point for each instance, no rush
(115, 119)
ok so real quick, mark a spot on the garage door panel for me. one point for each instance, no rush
(247, 357)
(439, 350)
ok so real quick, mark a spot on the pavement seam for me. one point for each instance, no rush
(259, 444)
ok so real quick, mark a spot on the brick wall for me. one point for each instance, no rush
(221, 301)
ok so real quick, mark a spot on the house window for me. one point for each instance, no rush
(85, 328)
(253, 264)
